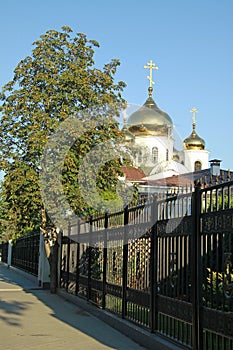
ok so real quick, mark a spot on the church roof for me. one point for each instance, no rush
(133, 174)
(188, 179)
(171, 165)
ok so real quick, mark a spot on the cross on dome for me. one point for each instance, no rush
(151, 66)
(194, 111)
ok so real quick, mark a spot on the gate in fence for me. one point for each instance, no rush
(165, 265)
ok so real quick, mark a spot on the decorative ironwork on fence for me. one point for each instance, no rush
(175, 279)
(25, 253)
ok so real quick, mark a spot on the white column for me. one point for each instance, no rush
(44, 268)
(9, 255)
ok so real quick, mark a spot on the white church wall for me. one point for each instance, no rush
(163, 144)
(192, 156)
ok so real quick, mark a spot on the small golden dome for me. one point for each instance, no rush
(128, 136)
(194, 141)
(176, 155)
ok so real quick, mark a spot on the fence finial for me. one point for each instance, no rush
(223, 176)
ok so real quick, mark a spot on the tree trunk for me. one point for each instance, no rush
(53, 262)
(51, 248)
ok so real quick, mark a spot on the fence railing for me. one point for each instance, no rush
(25, 253)
(4, 252)
(165, 265)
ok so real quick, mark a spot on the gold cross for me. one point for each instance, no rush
(151, 66)
(194, 111)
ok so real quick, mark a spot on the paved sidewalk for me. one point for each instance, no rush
(32, 318)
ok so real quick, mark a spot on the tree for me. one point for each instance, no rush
(20, 201)
(58, 79)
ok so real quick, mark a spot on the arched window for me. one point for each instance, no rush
(155, 154)
(197, 165)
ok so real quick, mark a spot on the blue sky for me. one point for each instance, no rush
(190, 41)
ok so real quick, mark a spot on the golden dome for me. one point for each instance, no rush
(194, 141)
(176, 155)
(149, 119)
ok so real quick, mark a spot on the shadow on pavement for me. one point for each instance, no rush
(27, 308)
(83, 321)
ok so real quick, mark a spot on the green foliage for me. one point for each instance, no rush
(218, 286)
(218, 201)
(20, 210)
(56, 81)
(96, 262)
(99, 184)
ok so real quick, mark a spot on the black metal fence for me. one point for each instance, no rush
(25, 253)
(165, 265)
(4, 252)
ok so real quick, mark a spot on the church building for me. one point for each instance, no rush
(149, 132)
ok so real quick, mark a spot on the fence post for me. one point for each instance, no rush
(89, 261)
(77, 259)
(197, 342)
(154, 266)
(60, 258)
(68, 258)
(125, 262)
(105, 261)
